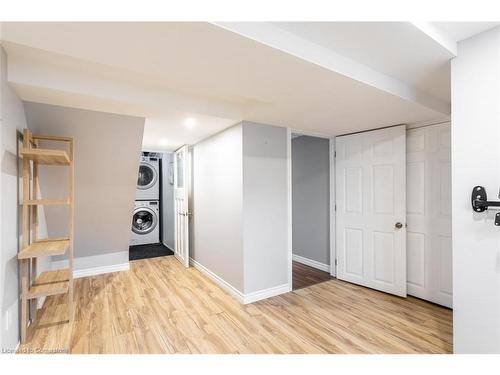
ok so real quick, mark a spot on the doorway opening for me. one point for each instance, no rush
(310, 203)
(160, 219)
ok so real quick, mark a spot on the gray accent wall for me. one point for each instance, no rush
(12, 121)
(217, 200)
(12, 124)
(107, 151)
(310, 198)
(265, 208)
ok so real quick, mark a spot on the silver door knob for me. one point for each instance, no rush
(398, 225)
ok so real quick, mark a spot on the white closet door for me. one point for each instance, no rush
(371, 209)
(429, 247)
(182, 171)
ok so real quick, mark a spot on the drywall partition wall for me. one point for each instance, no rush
(265, 210)
(475, 88)
(217, 206)
(167, 203)
(311, 199)
(12, 123)
(107, 150)
(240, 211)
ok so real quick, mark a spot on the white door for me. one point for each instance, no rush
(371, 209)
(182, 173)
(429, 213)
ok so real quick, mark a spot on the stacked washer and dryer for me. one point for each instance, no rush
(146, 216)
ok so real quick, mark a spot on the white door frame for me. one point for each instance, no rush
(331, 157)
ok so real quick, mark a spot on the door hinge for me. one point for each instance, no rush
(335, 261)
(334, 154)
(335, 207)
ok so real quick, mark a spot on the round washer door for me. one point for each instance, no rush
(147, 176)
(144, 220)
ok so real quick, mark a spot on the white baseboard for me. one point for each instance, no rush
(311, 263)
(96, 264)
(241, 297)
(266, 293)
(219, 281)
(100, 270)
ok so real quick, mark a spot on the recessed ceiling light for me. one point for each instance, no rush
(163, 142)
(190, 122)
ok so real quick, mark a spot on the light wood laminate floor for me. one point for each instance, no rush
(160, 307)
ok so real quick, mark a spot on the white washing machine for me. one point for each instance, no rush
(145, 223)
(148, 180)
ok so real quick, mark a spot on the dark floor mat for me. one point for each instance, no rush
(148, 251)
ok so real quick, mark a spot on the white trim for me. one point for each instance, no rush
(289, 206)
(241, 297)
(96, 264)
(311, 263)
(93, 271)
(100, 270)
(219, 281)
(333, 213)
(309, 133)
(266, 293)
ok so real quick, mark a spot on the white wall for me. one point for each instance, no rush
(107, 150)
(311, 198)
(167, 202)
(265, 207)
(476, 161)
(217, 205)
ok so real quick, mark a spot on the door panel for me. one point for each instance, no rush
(383, 253)
(354, 257)
(415, 248)
(181, 204)
(370, 199)
(429, 214)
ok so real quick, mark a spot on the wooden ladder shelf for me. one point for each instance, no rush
(34, 285)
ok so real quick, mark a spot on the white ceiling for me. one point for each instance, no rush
(397, 49)
(171, 71)
(170, 131)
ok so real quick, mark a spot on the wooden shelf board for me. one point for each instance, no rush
(46, 247)
(50, 283)
(45, 156)
(35, 202)
(51, 138)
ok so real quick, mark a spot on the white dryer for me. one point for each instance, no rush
(145, 223)
(148, 180)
